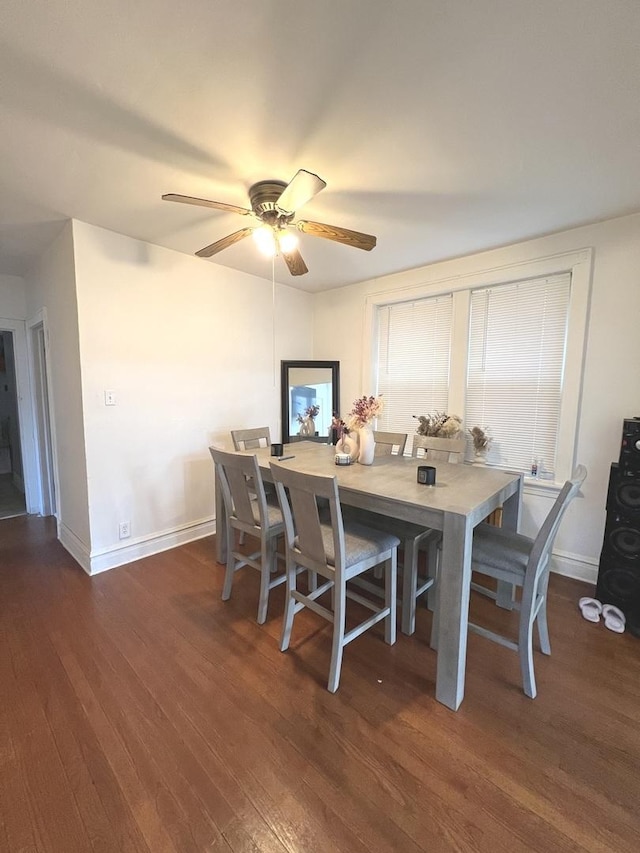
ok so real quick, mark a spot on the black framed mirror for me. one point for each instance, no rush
(307, 387)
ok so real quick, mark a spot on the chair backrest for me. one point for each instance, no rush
(242, 489)
(250, 439)
(387, 441)
(439, 449)
(543, 543)
(309, 542)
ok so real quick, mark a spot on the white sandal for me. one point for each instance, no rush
(590, 609)
(613, 618)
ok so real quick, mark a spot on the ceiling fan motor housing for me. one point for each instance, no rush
(264, 196)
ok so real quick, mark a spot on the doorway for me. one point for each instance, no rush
(12, 488)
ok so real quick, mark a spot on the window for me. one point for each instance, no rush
(413, 345)
(515, 369)
(502, 347)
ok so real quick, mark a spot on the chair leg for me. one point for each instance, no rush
(525, 652)
(267, 561)
(289, 607)
(434, 593)
(339, 616)
(433, 551)
(390, 593)
(543, 630)
(505, 595)
(409, 587)
(231, 566)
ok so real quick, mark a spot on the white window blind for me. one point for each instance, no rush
(413, 352)
(515, 369)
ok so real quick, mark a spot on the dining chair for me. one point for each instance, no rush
(251, 439)
(248, 512)
(437, 449)
(523, 562)
(412, 537)
(338, 551)
(387, 442)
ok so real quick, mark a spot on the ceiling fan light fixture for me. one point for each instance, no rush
(265, 240)
(288, 241)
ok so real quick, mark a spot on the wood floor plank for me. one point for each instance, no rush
(53, 809)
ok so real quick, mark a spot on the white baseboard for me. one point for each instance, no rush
(562, 563)
(78, 549)
(574, 566)
(110, 558)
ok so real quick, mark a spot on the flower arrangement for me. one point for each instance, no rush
(338, 425)
(481, 439)
(439, 424)
(364, 410)
(310, 412)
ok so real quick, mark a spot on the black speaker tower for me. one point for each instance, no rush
(619, 571)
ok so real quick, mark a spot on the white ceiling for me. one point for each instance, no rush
(444, 127)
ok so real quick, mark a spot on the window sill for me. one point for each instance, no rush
(536, 486)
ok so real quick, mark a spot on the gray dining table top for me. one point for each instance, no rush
(390, 483)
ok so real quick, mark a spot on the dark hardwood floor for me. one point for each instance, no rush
(138, 712)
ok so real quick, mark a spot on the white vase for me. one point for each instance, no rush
(480, 457)
(348, 444)
(367, 445)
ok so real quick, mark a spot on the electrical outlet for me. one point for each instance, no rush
(124, 529)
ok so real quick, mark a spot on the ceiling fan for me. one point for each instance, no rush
(273, 209)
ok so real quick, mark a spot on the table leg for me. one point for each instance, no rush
(511, 510)
(453, 601)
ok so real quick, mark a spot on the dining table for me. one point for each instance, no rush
(463, 495)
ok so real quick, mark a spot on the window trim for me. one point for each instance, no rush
(577, 263)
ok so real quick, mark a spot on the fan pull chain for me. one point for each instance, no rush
(273, 315)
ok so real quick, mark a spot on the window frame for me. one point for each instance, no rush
(577, 263)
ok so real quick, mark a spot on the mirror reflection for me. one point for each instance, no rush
(309, 396)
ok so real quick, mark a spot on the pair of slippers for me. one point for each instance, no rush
(613, 617)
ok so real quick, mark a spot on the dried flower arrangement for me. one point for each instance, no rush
(481, 440)
(338, 425)
(439, 424)
(364, 410)
(310, 412)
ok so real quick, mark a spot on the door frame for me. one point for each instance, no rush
(42, 405)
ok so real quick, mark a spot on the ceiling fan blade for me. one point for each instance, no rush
(302, 187)
(340, 235)
(227, 241)
(204, 202)
(295, 263)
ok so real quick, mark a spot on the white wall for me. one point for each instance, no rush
(13, 302)
(611, 387)
(187, 347)
(50, 288)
